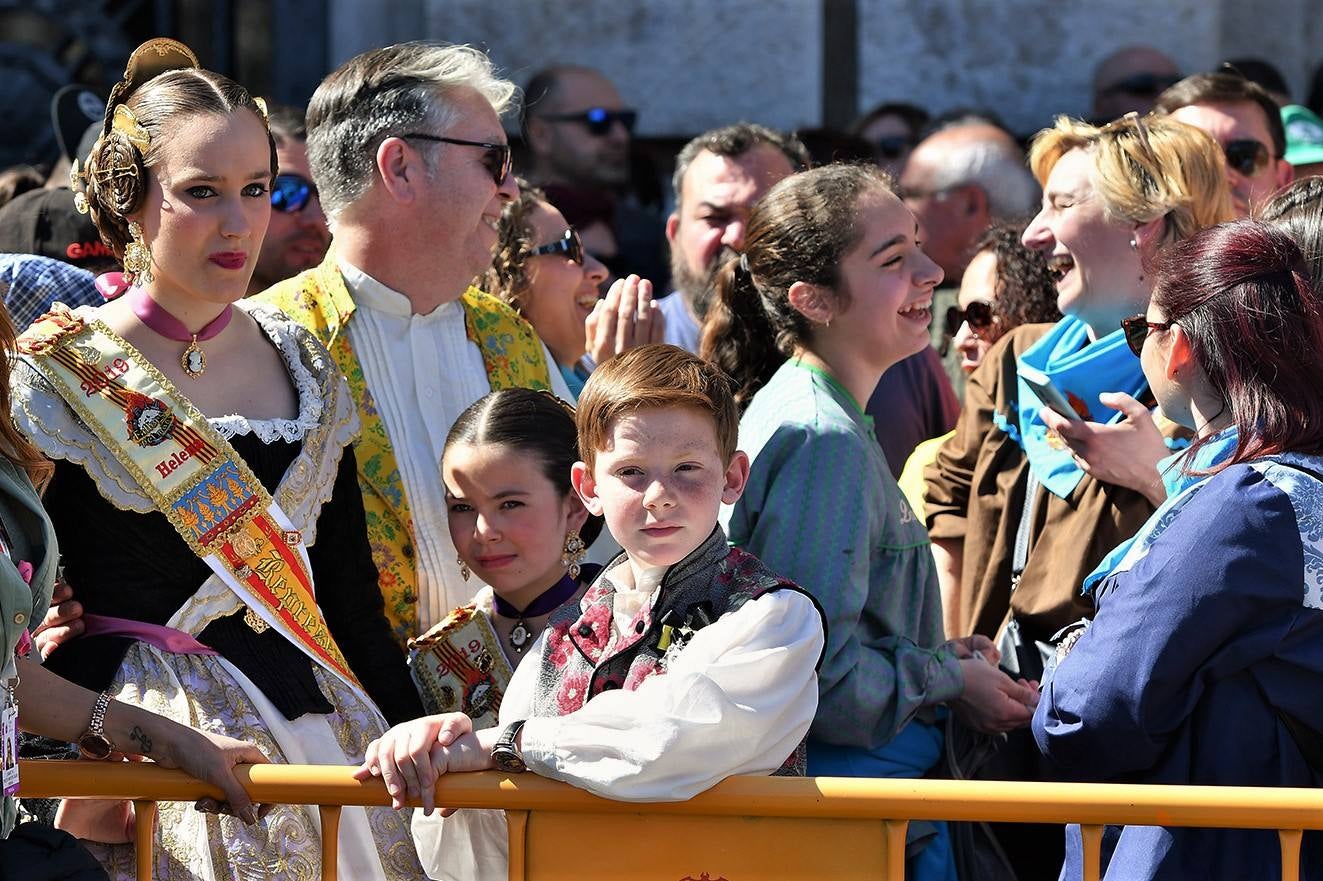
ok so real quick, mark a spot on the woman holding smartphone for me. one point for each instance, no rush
(1023, 502)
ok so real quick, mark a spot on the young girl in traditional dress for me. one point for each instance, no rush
(519, 528)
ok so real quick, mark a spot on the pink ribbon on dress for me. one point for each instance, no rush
(167, 639)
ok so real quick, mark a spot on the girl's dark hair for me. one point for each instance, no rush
(1026, 291)
(533, 422)
(1297, 210)
(1242, 294)
(799, 231)
(116, 174)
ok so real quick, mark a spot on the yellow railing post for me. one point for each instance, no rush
(517, 823)
(144, 819)
(1290, 839)
(896, 849)
(330, 815)
(1091, 838)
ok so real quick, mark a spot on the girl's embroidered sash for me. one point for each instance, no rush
(458, 666)
(190, 472)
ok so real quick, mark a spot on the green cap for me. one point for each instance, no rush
(1304, 135)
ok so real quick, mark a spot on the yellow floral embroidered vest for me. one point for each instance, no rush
(319, 300)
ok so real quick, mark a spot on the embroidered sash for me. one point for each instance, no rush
(458, 666)
(190, 472)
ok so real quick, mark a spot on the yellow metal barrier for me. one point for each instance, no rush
(762, 828)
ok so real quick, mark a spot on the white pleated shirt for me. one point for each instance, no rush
(423, 372)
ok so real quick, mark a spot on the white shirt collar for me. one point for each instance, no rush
(368, 293)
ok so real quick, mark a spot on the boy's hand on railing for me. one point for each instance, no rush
(410, 757)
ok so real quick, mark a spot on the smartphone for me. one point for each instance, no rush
(1048, 393)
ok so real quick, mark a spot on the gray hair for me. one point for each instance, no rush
(1002, 175)
(386, 92)
(735, 140)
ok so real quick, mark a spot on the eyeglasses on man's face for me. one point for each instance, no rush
(1247, 157)
(598, 120)
(291, 193)
(496, 157)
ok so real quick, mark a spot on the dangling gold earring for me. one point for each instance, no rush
(463, 568)
(137, 256)
(573, 553)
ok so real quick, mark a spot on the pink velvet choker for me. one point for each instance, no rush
(153, 314)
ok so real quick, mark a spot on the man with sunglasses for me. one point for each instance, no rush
(297, 236)
(1244, 119)
(413, 170)
(579, 132)
(1131, 78)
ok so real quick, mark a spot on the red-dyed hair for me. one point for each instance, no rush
(1242, 294)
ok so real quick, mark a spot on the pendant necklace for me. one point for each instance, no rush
(193, 360)
(522, 634)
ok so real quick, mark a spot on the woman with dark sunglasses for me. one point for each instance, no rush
(541, 269)
(1204, 660)
(1004, 286)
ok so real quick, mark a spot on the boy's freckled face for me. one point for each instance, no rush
(660, 482)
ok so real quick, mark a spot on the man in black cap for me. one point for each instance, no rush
(48, 252)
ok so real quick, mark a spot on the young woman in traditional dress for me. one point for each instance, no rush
(203, 491)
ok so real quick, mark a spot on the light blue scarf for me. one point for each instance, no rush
(1177, 482)
(1082, 371)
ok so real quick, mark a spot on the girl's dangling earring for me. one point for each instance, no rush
(463, 568)
(572, 553)
(137, 256)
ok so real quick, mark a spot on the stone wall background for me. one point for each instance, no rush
(693, 64)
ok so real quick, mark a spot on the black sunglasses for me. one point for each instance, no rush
(1137, 328)
(977, 313)
(893, 146)
(1145, 84)
(569, 244)
(290, 193)
(598, 119)
(1246, 157)
(496, 157)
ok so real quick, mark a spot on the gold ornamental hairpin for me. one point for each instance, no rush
(127, 124)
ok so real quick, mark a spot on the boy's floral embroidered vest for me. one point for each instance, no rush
(580, 662)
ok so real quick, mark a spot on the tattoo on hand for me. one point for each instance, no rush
(141, 738)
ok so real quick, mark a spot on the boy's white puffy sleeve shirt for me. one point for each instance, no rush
(737, 700)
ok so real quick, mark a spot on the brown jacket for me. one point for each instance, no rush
(975, 491)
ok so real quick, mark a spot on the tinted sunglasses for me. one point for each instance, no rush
(290, 193)
(495, 157)
(1146, 84)
(977, 313)
(1137, 328)
(1246, 157)
(569, 244)
(598, 119)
